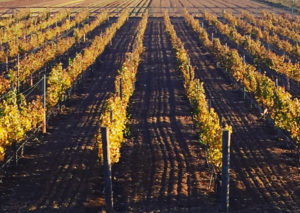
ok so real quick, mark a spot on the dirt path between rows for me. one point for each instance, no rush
(162, 166)
(264, 173)
(61, 173)
(196, 7)
(294, 88)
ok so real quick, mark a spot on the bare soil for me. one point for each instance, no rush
(293, 89)
(162, 167)
(196, 7)
(157, 7)
(41, 3)
(264, 172)
(61, 172)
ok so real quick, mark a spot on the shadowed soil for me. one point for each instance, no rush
(61, 172)
(162, 167)
(264, 173)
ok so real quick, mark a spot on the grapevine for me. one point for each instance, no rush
(259, 53)
(26, 27)
(284, 22)
(265, 36)
(268, 25)
(118, 105)
(60, 80)
(284, 110)
(49, 52)
(205, 118)
(23, 45)
(17, 118)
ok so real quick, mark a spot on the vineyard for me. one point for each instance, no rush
(167, 80)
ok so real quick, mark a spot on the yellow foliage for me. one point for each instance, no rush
(36, 61)
(255, 48)
(207, 121)
(116, 106)
(284, 110)
(17, 117)
(2, 153)
(61, 80)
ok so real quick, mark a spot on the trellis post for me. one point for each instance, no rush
(18, 73)
(44, 104)
(107, 169)
(225, 170)
(121, 89)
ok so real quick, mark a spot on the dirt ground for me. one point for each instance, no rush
(215, 7)
(162, 166)
(61, 172)
(42, 3)
(294, 88)
(264, 173)
(157, 7)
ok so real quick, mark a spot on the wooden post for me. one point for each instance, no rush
(15, 153)
(111, 116)
(209, 104)
(31, 80)
(130, 57)
(56, 42)
(120, 87)
(22, 150)
(44, 104)
(18, 73)
(225, 170)
(107, 169)
(288, 84)
(6, 64)
(189, 71)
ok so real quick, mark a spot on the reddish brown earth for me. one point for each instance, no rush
(196, 7)
(265, 176)
(157, 7)
(28, 3)
(34, 3)
(163, 166)
(61, 172)
(294, 88)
